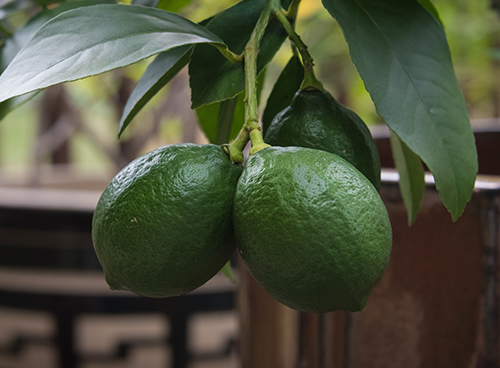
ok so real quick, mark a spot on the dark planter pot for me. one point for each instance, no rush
(437, 305)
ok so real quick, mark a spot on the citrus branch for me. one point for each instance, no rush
(251, 130)
(310, 79)
(228, 54)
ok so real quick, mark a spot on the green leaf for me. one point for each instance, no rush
(91, 40)
(212, 77)
(26, 33)
(22, 37)
(227, 271)
(165, 66)
(226, 118)
(222, 121)
(173, 5)
(161, 70)
(208, 116)
(284, 89)
(411, 176)
(401, 52)
(427, 4)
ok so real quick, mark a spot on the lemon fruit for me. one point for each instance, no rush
(163, 225)
(314, 119)
(311, 229)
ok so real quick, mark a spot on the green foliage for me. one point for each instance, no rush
(401, 55)
(399, 48)
(427, 4)
(214, 78)
(284, 89)
(161, 70)
(222, 121)
(22, 37)
(102, 38)
(412, 176)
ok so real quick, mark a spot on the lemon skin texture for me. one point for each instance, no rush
(163, 225)
(311, 229)
(314, 119)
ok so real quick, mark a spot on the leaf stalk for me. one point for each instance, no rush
(251, 131)
(310, 80)
(228, 54)
(291, 12)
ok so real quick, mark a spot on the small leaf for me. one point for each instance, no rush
(165, 66)
(207, 119)
(411, 176)
(284, 89)
(212, 77)
(227, 271)
(91, 40)
(230, 120)
(401, 53)
(222, 121)
(161, 70)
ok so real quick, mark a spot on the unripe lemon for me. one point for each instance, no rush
(163, 225)
(311, 229)
(314, 119)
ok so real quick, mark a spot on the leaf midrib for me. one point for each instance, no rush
(80, 51)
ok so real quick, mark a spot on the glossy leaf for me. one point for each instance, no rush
(411, 176)
(91, 40)
(212, 77)
(284, 89)
(207, 119)
(22, 37)
(427, 4)
(222, 121)
(401, 52)
(161, 70)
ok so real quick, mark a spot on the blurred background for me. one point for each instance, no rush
(59, 150)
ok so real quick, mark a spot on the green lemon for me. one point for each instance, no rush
(163, 225)
(311, 229)
(314, 119)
